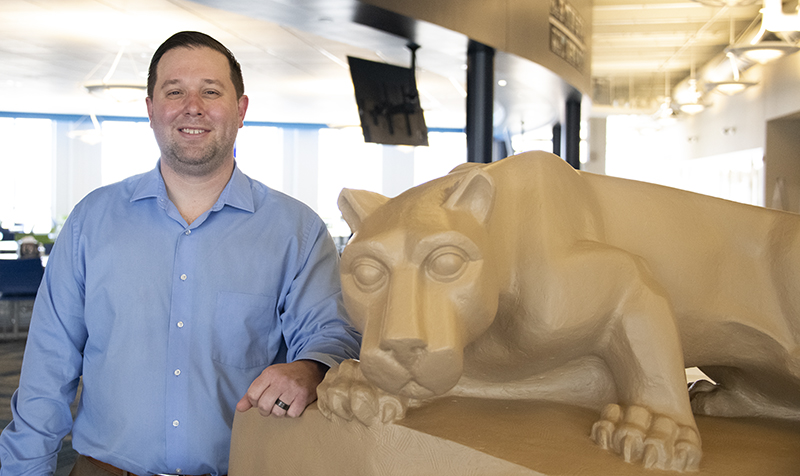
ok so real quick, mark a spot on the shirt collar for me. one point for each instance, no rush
(237, 193)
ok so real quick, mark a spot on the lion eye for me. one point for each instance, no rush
(368, 273)
(447, 265)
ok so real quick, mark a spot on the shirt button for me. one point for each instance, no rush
(178, 470)
(188, 232)
(180, 324)
(177, 372)
(175, 423)
(183, 277)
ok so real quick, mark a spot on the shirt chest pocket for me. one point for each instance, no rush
(246, 328)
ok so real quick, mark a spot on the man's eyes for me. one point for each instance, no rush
(210, 92)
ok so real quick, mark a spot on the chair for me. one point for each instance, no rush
(19, 282)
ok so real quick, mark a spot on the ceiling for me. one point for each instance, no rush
(639, 45)
(50, 48)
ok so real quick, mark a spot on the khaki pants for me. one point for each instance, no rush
(84, 467)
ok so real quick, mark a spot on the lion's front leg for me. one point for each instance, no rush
(346, 393)
(652, 422)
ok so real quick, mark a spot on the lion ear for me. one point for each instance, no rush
(474, 194)
(357, 205)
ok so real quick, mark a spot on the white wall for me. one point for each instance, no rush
(734, 127)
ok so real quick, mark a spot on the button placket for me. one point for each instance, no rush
(179, 342)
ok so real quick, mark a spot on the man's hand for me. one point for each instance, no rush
(294, 383)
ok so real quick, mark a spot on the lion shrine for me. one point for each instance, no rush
(529, 282)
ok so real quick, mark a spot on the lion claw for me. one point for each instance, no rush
(656, 441)
(346, 393)
(651, 457)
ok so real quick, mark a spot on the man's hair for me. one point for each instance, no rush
(194, 39)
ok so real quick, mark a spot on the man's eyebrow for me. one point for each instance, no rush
(172, 82)
(213, 81)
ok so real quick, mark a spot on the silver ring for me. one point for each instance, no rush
(281, 404)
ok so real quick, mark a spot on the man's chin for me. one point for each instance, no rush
(194, 165)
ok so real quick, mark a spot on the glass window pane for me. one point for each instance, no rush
(128, 148)
(259, 154)
(26, 161)
(445, 151)
(345, 161)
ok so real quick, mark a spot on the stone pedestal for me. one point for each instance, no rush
(462, 437)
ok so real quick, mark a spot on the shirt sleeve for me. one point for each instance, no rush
(314, 322)
(51, 366)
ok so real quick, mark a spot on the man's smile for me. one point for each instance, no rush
(192, 131)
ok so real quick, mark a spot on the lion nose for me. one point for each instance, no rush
(405, 351)
(402, 321)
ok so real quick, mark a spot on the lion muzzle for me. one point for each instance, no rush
(409, 368)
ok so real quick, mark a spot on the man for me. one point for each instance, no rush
(176, 295)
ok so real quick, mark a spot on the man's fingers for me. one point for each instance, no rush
(294, 384)
(244, 404)
(282, 406)
(266, 404)
(299, 405)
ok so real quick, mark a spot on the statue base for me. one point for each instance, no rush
(463, 436)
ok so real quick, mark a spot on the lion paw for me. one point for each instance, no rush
(346, 393)
(656, 441)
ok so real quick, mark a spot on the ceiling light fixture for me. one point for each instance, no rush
(765, 45)
(773, 18)
(91, 136)
(694, 105)
(730, 88)
(665, 113)
(734, 86)
(120, 91)
(692, 108)
(764, 51)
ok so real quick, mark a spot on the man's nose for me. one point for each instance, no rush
(194, 104)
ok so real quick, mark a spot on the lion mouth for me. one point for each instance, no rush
(427, 375)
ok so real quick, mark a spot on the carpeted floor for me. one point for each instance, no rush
(10, 364)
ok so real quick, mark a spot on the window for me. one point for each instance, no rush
(259, 154)
(345, 161)
(445, 152)
(128, 148)
(26, 165)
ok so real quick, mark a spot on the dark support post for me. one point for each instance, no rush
(572, 136)
(557, 139)
(480, 101)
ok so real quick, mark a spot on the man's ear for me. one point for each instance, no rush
(243, 102)
(474, 194)
(148, 101)
(357, 205)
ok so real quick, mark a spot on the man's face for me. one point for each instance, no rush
(194, 111)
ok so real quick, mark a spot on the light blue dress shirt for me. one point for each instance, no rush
(169, 324)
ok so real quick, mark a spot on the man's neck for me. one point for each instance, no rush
(192, 195)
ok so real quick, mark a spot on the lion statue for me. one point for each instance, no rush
(482, 281)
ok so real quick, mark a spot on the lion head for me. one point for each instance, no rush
(414, 280)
